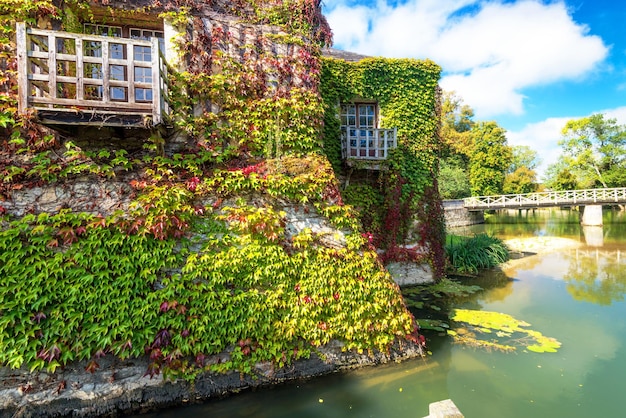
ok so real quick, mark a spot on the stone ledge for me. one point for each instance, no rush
(121, 387)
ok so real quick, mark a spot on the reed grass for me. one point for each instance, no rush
(480, 252)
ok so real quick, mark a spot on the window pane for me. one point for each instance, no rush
(92, 49)
(143, 53)
(143, 95)
(118, 93)
(93, 92)
(143, 75)
(117, 51)
(118, 72)
(65, 46)
(93, 70)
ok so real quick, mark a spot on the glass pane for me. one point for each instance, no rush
(39, 43)
(143, 75)
(93, 92)
(65, 46)
(143, 53)
(93, 71)
(118, 72)
(118, 93)
(367, 115)
(92, 49)
(117, 51)
(66, 90)
(143, 95)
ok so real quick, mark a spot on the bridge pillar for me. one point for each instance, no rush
(591, 215)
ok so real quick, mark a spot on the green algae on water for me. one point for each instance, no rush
(499, 331)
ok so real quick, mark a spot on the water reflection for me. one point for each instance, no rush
(596, 276)
(594, 235)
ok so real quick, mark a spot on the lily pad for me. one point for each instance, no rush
(433, 324)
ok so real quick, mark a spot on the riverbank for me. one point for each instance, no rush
(123, 387)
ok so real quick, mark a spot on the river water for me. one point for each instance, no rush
(575, 295)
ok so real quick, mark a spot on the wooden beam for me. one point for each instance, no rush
(52, 65)
(156, 85)
(23, 87)
(106, 72)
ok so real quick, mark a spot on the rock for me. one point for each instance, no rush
(408, 273)
(121, 387)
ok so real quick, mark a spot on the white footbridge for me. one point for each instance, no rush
(613, 196)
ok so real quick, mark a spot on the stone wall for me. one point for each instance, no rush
(456, 214)
(122, 387)
(95, 196)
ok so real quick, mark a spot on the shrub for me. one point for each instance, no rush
(468, 255)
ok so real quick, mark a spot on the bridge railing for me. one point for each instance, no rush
(545, 199)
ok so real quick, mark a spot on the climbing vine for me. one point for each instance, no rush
(408, 97)
(199, 271)
(251, 290)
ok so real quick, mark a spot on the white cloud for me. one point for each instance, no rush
(618, 114)
(544, 136)
(488, 55)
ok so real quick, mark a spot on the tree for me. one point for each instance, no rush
(456, 126)
(523, 156)
(523, 180)
(453, 181)
(489, 160)
(457, 143)
(521, 176)
(595, 148)
(558, 176)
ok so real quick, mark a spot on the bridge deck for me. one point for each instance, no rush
(548, 199)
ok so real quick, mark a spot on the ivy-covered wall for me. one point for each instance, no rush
(408, 97)
(203, 257)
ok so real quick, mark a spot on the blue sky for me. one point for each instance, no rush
(530, 65)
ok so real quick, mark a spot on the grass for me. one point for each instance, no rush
(469, 255)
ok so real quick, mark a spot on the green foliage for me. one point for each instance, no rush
(368, 203)
(558, 176)
(521, 177)
(201, 263)
(456, 127)
(489, 160)
(453, 180)
(295, 16)
(468, 255)
(523, 156)
(406, 91)
(408, 97)
(73, 286)
(129, 282)
(522, 180)
(595, 149)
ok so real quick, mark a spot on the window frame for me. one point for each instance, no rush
(359, 137)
